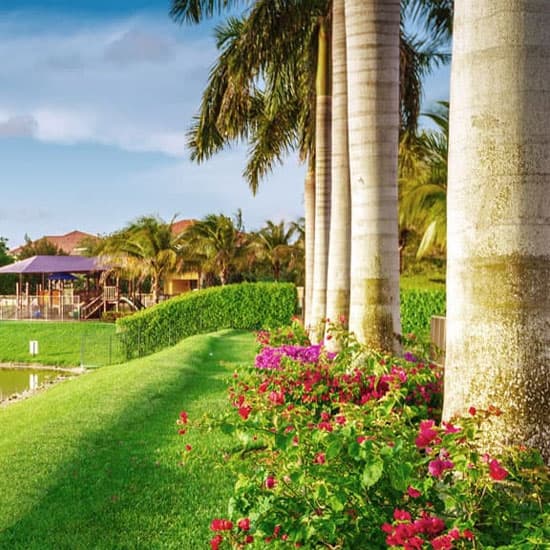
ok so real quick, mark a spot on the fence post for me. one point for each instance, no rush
(82, 349)
(110, 348)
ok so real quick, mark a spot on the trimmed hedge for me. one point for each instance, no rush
(417, 308)
(241, 306)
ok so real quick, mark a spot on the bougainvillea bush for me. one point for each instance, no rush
(347, 451)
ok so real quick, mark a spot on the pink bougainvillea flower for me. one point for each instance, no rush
(450, 428)
(428, 434)
(413, 493)
(401, 515)
(496, 471)
(437, 467)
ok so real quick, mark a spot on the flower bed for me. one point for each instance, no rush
(347, 451)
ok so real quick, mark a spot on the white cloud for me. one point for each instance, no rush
(133, 84)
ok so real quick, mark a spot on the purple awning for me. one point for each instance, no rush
(55, 264)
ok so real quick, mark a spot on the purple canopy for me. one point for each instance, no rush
(54, 264)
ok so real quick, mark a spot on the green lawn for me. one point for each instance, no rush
(59, 343)
(94, 462)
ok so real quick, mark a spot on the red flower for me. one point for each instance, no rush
(249, 539)
(188, 448)
(244, 412)
(340, 419)
(182, 432)
(183, 417)
(412, 492)
(361, 439)
(277, 397)
(320, 458)
(221, 525)
(444, 542)
(472, 411)
(270, 482)
(215, 542)
(496, 471)
(467, 534)
(244, 524)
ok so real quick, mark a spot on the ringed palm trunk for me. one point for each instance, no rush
(309, 211)
(498, 290)
(372, 37)
(338, 276)
(322, 187)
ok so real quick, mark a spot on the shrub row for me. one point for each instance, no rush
(241, 306)
(417, 308)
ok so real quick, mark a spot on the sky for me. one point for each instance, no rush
(96, 97)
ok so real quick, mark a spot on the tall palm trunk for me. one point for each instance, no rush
(372, 37)
(498, 293)
(309, 214)
(322, 186)
(338, 276)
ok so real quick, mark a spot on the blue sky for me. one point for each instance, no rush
(95, 100)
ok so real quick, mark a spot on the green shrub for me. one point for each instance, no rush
(417, 308)
(242, 306)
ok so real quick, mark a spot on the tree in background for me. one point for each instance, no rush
(41, 247)
(275, 243)
(423, 183)
(218, 243)
(7, 282)
(146, 247)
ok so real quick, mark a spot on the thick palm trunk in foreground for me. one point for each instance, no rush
(498, 281)
(372, 36)
(338, 276)
(322, 187)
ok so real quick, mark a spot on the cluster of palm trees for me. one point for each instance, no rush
(333, 80)
(149, 249)
(282, 83)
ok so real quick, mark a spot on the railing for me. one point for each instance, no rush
(50, 305)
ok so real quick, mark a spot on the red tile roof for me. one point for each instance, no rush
(68, 242)
(181, 225)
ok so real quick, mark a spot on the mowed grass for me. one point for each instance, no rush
(96, 462)
(59, 343)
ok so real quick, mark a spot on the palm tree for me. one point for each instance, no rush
(275, 243)
(232, 111)
(498, 303)
(147, 247)
(338, 271)
(423, 181)
(219, 243)
(372, 33)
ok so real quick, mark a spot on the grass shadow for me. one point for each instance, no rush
(118, 479)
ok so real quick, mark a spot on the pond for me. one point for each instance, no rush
(17, 380)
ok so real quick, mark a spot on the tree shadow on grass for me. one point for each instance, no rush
(124, 485)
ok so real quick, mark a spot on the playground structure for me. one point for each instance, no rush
(56, 297)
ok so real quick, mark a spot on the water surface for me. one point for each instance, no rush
(17, 380)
